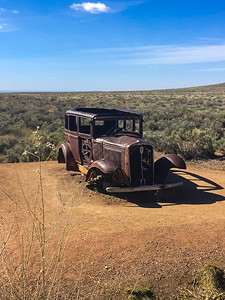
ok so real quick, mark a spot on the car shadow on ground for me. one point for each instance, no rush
(196, 190)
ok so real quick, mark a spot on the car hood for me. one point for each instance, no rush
(121, 140)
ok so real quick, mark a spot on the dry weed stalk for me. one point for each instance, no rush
(34, 273)
(5, 239)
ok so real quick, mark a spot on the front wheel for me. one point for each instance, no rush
(98, 179)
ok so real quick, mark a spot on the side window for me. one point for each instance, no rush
(121, 124)
(66, 122)
(72, 123)
(85, 126)
(136, 126)
(129, 125)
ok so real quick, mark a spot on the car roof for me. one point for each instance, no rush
(99, 113)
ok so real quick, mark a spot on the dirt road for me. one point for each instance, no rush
(133, 239)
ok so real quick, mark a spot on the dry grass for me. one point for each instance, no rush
(209, 284)
(32, 265)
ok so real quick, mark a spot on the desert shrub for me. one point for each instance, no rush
(31, 120)
(192, 144)
(5, 124)
(209, 284)
(219, 145)
(3, 146)
(185, 121)
(15, 152)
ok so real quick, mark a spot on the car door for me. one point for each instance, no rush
(85, 140)
(72, 136)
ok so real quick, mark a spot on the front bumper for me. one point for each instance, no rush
(140, 188)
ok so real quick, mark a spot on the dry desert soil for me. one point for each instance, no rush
(119, 241)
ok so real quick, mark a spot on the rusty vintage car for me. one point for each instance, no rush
(108, 144)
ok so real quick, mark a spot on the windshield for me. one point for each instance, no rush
(109, 127)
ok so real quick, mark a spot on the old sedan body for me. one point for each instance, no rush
(108, 143)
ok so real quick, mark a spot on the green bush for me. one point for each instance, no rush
(192, 144)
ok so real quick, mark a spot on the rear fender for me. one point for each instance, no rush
(65, 155)
(164, 164)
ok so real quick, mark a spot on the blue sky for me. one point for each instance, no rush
(110, 45)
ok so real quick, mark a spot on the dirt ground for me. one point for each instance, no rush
(127, 240)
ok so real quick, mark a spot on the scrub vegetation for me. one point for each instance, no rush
(189, 122)
(209, 283)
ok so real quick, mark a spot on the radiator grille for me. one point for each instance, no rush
(141, 165)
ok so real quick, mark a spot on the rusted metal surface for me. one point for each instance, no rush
(176, 160)
(120, 141)
(109, 143)
(66, 156)
(164, 164)
(104, 166)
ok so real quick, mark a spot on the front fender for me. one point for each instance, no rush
(106, 167)
(164, 164)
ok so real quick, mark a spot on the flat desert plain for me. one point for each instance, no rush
(114, 241)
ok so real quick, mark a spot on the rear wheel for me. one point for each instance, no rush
(61, 158)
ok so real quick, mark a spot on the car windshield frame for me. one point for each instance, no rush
(117, 125)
